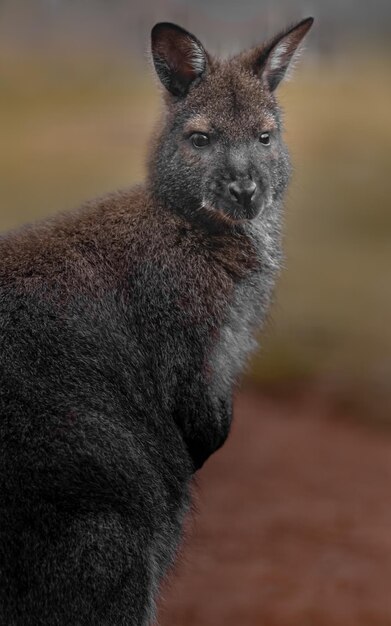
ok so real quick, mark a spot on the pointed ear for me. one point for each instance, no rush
(272, 61)
(178, 56)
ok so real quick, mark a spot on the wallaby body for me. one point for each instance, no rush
(123, 329)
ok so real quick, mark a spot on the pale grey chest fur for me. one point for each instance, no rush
(247, 310)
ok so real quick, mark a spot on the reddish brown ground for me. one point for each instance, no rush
(293, 525)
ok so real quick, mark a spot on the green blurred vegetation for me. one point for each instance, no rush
(72, 128)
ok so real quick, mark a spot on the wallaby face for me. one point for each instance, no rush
(221, 151)
(124, 328)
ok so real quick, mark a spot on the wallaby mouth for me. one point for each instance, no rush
(232, 214)
(255, 210)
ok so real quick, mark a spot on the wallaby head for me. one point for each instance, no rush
(220, 151)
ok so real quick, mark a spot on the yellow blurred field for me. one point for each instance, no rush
(74, 128)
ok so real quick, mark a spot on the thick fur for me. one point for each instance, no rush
(123, 329)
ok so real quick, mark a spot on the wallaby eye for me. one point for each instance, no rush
(264, 138)
(199, 140)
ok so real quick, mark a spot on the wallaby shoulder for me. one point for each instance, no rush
(127, 243)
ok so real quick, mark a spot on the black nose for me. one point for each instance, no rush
(242, 191)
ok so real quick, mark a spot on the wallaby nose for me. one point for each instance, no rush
(242, 191)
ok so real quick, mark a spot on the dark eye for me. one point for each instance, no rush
(199, 140)
(265, 139)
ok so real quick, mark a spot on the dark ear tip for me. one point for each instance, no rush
(308, 21)
(160, 27)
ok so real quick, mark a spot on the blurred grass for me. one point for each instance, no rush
(72, 128)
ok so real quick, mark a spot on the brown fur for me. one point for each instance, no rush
(91, 250)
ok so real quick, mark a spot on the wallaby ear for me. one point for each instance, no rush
(272, 61)
(178, 56)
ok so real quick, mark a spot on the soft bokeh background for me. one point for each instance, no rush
(77, 103)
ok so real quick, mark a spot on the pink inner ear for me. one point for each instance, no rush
(180, 54)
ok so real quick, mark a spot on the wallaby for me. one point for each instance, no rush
(124, 327)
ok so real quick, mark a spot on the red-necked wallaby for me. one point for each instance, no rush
(124, 326)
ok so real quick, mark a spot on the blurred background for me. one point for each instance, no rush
(294, 523)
